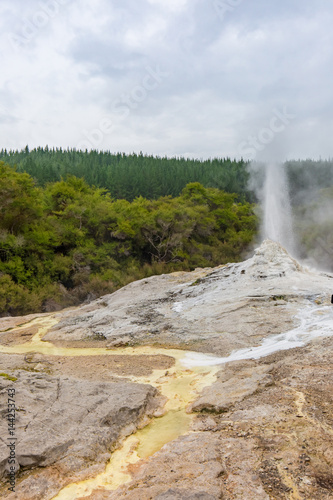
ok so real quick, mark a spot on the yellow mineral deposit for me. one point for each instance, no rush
(114, 475)
(178, 384)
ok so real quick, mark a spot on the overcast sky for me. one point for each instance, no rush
(199, 78)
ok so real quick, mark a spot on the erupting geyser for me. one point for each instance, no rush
(277, 223)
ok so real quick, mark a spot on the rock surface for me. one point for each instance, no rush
(191, 467)
(276, 443)
(72, 423)
(209, 310)
(238, 380)
(262, 430)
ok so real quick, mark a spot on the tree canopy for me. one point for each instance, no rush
(68, 242)
(130, 176)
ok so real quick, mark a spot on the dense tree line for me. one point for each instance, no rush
(130, 176)
(75, 225)
(66, 242)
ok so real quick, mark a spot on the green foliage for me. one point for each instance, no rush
(71, 242)
(130, 176)
(20, 200)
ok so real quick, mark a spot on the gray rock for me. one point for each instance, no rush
(270, 421)
(236, 381)
(209, 310)
(173, 494)
(190, 466)
(72, 422)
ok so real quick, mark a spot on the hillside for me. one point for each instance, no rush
(127, 176)
(68, 242)
(211, 384)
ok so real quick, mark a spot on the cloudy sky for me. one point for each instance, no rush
(199, 78)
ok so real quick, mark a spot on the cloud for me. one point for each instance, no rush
(72, 61)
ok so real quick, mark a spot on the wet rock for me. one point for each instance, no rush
(236, 381)
(269, 434)
(210, 310)
(73, 423)
(190, 466)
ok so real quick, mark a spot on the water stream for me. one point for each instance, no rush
(314, 322)
(181, 384)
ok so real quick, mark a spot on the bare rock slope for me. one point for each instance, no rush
(262, 430)
(208, 310)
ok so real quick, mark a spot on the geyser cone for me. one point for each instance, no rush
(272, 260)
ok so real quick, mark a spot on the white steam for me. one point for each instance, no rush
(269, 182)
(277, 217)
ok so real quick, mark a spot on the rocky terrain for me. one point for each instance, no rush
(236, 358)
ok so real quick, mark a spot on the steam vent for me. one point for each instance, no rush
(211, 384)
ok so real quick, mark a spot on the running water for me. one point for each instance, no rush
(314, 322)
(277, 223)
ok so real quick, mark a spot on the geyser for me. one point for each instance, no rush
(277, 220)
